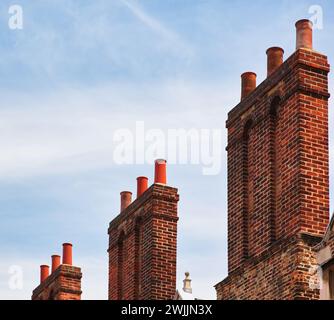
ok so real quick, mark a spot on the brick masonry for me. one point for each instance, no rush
(278, 182)
(142, 247)
(284, 272)
(63, 284)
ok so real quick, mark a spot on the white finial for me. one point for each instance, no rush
(187, 283)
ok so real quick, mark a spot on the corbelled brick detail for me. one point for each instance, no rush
(142, 247)
(278, 181)
(62, 284)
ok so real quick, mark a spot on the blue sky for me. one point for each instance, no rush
(81, 69)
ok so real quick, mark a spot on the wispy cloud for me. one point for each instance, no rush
(173, 39)
(150, 22)
(75, 130)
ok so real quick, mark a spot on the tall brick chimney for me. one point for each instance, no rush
(278, 177)
(142, 243)
(64, 283)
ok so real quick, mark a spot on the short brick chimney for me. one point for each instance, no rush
(64, 283)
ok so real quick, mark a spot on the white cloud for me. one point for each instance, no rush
(72, 131)
(173, 39)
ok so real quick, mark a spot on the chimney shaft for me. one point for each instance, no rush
(274, 59)
(44, 272)
(67, 253)
(248, 83)
(126, 198)
(160, 171)
(142, 185)
(304, 34)
(55, 262)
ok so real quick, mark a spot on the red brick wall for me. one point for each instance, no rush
(278, 176)
(62, 284)
(284, 272)
(146, 267)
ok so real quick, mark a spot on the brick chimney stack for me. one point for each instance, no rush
(142, 243)
(278, 176)
(64, 283)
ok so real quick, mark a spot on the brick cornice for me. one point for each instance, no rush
(299, 88)
(64, 289)
(155, 192)
(296, 60)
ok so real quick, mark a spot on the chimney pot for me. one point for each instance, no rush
(67, 253)
(44, 272)
(55, 262)
(304, 34)
(142, 185)
(160, 171)
(248, 83)
(126, 198)
(274, 59)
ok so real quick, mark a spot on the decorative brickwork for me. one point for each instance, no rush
(278, 182)
(142, 247)
(63, 284)
(281, 273)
